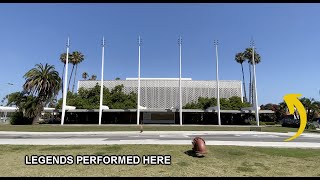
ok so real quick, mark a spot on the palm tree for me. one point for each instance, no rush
(63, 59)
(44, 83)
(93, 77)
(240, 59)
(52, 102)
(77, 57)
(257, 60)
(85, 75)
(311, 106)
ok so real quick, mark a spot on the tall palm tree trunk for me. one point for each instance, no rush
(74, 80)
(244, 84)
(39, 110)
(70, 77)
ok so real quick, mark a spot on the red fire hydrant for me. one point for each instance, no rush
(199, 146)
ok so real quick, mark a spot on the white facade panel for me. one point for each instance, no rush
(164, 93)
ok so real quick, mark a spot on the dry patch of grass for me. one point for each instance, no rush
(220, 161)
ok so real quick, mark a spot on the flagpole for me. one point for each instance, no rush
(217, 90)
(101, 84)
(138, 103)
(65, 84)
(255, 85)
(180, 95)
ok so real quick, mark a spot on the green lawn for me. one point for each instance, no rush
(220, 161)
(77, 128)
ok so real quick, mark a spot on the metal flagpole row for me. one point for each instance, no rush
(180, 95)
(218, 89)
(138, 102)
(65, 84)
(180, 85)
(255, 84)
(101, 84)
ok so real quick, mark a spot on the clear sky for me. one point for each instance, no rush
(287, 36)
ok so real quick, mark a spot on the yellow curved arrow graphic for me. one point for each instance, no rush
(291, 101)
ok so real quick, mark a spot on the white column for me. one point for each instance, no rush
(217, 91)
(241, 92)
(101, 83)
(64, 100)
(138, 102)
(180, 95)
(255, 86)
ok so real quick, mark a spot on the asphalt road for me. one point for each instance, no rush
(164, 137)
(243, 138)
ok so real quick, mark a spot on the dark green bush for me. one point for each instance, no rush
(18, 119)
(255, 123)
(294, 123)
(270, 123)
(311, 126)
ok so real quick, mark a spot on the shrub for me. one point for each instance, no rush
(312, 125)
(270, 123)
(50, 121)
(255, 123)
(295, 123)
(18, 119)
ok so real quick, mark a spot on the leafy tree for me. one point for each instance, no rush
(233, 103)
(42, 83)
(93, 77)
(117, 78)
(257, 59)
(14, 99)
(63, 59)
(90, 98)
(278, 115)
(85, 75)
(240, 58)
(76, 58)
(311, 106)
(192, 105)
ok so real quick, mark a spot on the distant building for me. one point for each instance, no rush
(163, 93)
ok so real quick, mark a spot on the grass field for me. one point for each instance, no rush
(220, 161)
(77, 128)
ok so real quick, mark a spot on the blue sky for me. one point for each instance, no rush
(287, 36)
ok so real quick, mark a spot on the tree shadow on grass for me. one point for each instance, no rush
(193, 154)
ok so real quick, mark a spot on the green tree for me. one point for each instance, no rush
(311, 106)
(279, 113)
(240, 58)
(77, 58)
(232, 103)
(63, 59)
(93, 77)
(42, 83)
(14, 99)
(117, 78)
(235, 103)
(257, 59)
(90, 98)
(85, 75)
